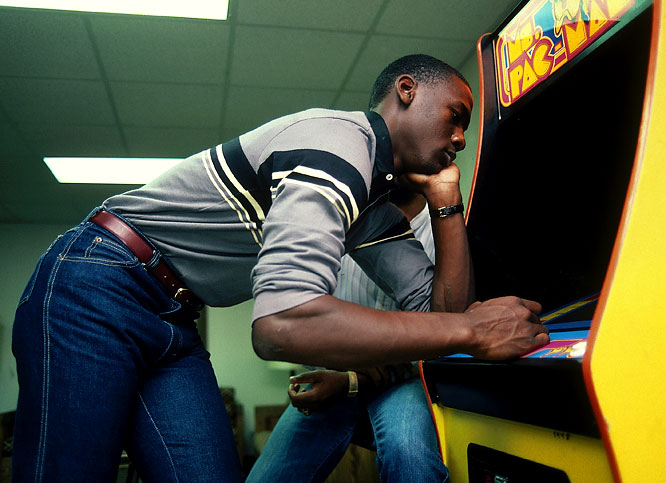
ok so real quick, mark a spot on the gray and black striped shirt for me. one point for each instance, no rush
(269, 214)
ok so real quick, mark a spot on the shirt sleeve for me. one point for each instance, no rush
(317, 196)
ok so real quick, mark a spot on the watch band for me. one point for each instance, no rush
(445, 211)
(353, 384)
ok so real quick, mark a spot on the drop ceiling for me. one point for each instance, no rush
(85, 84)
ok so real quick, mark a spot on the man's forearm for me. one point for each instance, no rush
(453, 283)
(340, 335)
(336, 334)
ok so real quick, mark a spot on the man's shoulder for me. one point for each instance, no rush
(312, 124)
(317, 113)
(345, 134)
(328, 122)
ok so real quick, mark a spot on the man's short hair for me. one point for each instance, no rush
(423, 68)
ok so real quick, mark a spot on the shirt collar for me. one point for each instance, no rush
(383, 172)
(384, 157)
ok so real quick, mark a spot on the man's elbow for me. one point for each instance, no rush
(269, 338)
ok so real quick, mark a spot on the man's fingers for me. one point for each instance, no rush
(303, 378)
(297, 391)
(510, 300)
(473, 305)
(292, 391)
(534, 318)
(532, 305)
(299, 398)
(542, 339)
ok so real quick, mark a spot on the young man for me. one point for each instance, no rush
(107, 351)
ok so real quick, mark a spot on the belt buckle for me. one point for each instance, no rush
(184, 291)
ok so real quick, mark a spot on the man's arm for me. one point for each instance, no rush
(453, 281)
(332, 333)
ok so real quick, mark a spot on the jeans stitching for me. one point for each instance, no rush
(47, 362)
(170, 342)
(107, 263)
(173, 466)
(64, 255)
(379, 448)
(109, 244)
(33, 279)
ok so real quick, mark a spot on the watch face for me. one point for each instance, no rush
(445, 211)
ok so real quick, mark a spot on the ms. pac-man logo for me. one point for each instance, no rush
(544, 36)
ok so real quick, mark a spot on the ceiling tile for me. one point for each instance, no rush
(63, 140)
(278, 57)
(340, 15)
(169, 142)
(45, 44)
(249, 107)
(56, 101)
(19, 169)
(11, 143)
(162, 49)
(433, 18)
(168, 105)
(382, 50)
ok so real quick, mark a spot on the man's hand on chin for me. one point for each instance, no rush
(429, 184)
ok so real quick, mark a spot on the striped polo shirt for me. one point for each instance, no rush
(270, 214)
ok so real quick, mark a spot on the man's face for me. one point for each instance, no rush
(433, 127)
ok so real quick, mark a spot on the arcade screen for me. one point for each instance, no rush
(556, 159)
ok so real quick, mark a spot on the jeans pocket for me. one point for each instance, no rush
(107, 251)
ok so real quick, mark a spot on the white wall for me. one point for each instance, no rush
(20, 247)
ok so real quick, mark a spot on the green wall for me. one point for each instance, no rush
(466, 159)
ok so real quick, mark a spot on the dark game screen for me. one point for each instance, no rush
(552, 180)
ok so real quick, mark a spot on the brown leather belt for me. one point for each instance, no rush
(144, 253)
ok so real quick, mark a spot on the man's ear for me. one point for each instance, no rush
(405, 87)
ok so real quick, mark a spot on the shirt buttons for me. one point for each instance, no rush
(389, 177)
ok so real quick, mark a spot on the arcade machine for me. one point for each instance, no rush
(567, 208)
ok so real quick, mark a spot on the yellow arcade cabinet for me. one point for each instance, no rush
(568, 207)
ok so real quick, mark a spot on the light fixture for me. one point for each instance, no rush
(108, 170)
(208, 9)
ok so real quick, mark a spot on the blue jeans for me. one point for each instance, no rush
(107, 360)
(396, 422)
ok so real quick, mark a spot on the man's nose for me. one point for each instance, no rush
(458, 140)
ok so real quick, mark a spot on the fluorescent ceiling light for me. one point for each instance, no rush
(209, 9)
(108, 170)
